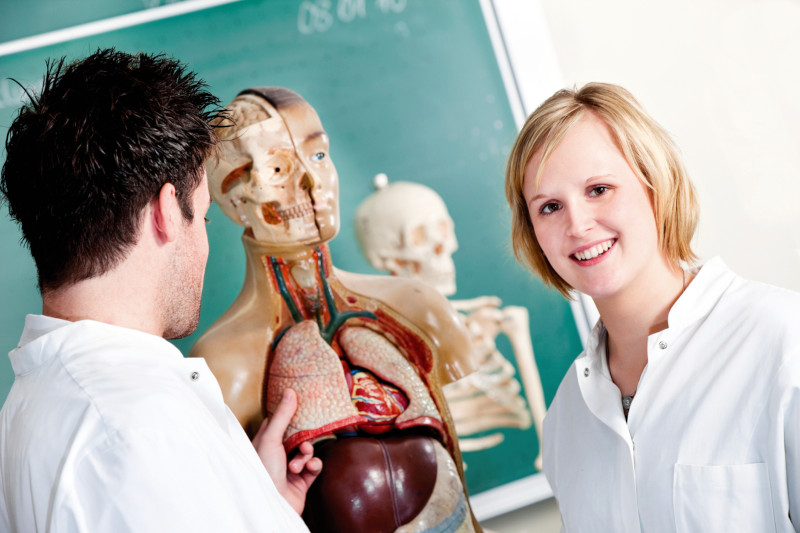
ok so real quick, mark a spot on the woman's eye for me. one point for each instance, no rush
(549, 208)
(598, 191)
(319, 156)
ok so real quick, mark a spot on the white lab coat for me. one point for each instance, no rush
(712, 440)
(110, 429)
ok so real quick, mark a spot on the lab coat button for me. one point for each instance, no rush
(195, 376)
(663, 345)
(586, 372)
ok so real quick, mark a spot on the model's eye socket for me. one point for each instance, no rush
(319, 156)
(276, 169)
(235, 177)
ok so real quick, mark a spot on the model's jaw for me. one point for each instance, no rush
(594, 251)
(273, 213)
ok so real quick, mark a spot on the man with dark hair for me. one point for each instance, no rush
(107, 427)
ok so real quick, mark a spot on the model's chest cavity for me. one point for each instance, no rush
(362, 382)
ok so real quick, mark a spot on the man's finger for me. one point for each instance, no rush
(305, 459)
(280, 419)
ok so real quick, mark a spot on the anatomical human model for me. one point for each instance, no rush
(405, 229)
(367, 355)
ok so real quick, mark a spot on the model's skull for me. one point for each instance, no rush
(273, 174)
(404, 228)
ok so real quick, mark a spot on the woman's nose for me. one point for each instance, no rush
(579, 219)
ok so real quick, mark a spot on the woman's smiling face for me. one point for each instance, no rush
(592, 216)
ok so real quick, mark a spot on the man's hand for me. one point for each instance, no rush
(292, 480)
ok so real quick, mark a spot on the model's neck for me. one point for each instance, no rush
(301, 265)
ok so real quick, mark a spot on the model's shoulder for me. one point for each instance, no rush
(227, 338)
(427, 309)
(392, 290)
(418, 302)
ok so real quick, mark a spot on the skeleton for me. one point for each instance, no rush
(367, 355)
(405, 229)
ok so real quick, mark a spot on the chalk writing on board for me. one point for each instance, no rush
(387, 6)
(318, 16)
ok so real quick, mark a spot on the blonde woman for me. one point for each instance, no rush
(683, 411)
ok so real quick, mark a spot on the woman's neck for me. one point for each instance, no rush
(632, 315)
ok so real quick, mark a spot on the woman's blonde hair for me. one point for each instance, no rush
(646, 146)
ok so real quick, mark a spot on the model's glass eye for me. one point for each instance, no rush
(319, 156)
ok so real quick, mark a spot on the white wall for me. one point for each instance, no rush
(724, 78)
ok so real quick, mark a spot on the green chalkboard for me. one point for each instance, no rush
(410, 88)
(41, 16)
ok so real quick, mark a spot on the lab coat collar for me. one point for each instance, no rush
(702, 294)
(46, 337)
(599, 391)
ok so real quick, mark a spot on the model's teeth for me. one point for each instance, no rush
(594, 251)
(297, 211)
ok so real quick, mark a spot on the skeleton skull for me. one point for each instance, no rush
(404, 228)
(274, 174)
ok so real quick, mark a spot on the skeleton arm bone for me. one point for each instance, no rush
(473, 304)
(492, 416)
(516, 328)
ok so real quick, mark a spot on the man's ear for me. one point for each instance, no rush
(167, 216)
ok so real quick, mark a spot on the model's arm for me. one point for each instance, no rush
(237, 360)
(448, 332)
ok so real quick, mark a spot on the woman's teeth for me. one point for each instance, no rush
(594, 251)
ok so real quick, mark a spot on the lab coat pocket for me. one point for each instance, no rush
(722, 498)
